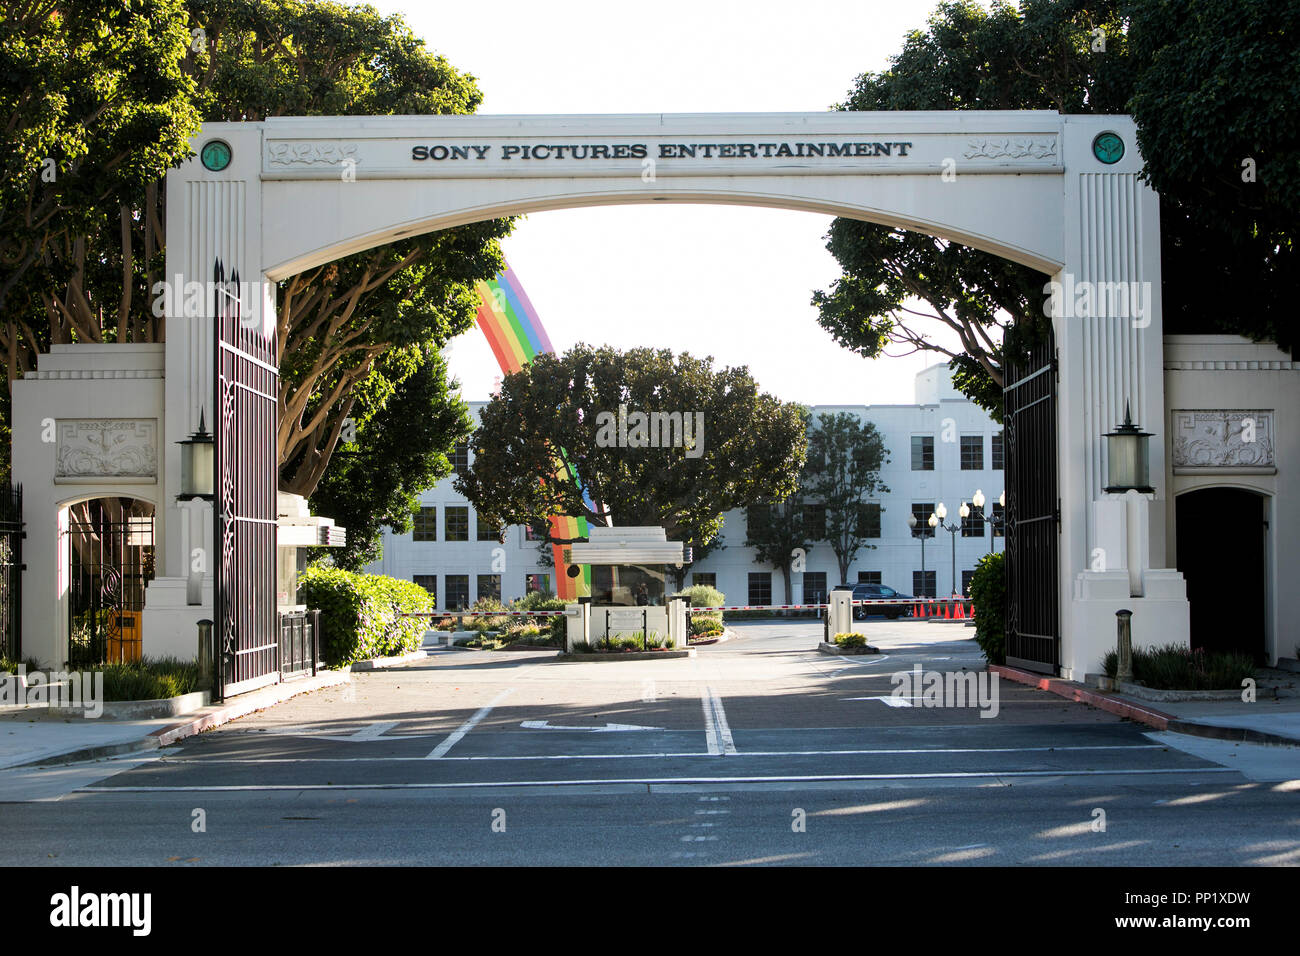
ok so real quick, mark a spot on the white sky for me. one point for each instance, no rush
(728, 281)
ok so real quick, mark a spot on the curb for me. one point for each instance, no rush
(861, 651)
(606, 658)
(379, 663)
(215, 716)
(1157, 719)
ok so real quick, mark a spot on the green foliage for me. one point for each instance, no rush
(988, 592)
(777, 532)
(407, 425)
(845, 455)
(853, 639)
(1175, 667)
(701, 595)
(149, 679)
(752, 443)
(361, 613)
(1218, 86)
(703, 625)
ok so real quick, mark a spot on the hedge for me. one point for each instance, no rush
(360, 613)
(988, 592)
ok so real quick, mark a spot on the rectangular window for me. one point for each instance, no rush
(485, 531)
(999, 519)
(537, 584)
(973, 526)
(814, 519)
(923, 453)
(708, 580)
(814, 587)
(489, 586)
(460, 457)
(972, 452)
(965, 582)
(430, 583)
(923, 583)
(535, 532)
(457, 523)
(869, 520)
(996, 456)
(760, 588)
(869, 577)
(457, 591)
(922, 510)
(424, 525)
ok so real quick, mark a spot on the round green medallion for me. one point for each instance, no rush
(1108, 148)
(215, 155)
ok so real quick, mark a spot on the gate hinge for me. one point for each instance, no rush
(1056, 365)
(1058, 515)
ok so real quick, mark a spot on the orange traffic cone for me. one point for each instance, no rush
(961, 611)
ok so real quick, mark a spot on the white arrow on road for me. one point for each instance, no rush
(545, 725)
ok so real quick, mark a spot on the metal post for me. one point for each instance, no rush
(1124, 646)
(953, 532)
(205, 655)
(922, 560)
(645, 631)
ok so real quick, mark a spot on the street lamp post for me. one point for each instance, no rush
(912, 523)
(978, 500)
(936, 521)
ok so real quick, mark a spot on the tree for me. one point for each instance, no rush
(242, 60)
(404, 432)
(778, 533)
(1209, 83)
(715, 443)
(844, 459)
(1220, 134)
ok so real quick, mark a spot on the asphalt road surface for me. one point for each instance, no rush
(758, 750)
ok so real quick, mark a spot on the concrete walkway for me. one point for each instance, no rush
(32, 736)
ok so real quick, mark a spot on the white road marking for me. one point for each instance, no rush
(655, 781)
(607, 728)
(888, 701)
(716, 729)
(455, 737)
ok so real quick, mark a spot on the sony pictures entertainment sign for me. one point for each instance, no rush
(837, 144)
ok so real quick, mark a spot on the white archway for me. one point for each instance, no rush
(1060, 193)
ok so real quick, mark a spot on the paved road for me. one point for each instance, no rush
(757, 750)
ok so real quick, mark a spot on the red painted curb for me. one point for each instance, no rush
(1095, 698)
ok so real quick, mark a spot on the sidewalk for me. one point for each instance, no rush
(34, 737)
(1265, 721)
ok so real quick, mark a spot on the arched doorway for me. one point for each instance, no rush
(110, 554)
(1222, 553)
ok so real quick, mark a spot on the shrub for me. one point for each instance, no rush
(988, 592)
(701, 595)
(853, 639)
(150, 679)
(705, 626)
(361, 613)
(1175, 667)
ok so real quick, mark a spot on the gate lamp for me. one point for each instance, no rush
(1128, 454)
(196, 465)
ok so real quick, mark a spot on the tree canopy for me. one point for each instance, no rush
(845, 455)
(1209, 83)
(723, 444)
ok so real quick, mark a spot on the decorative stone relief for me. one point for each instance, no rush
(1223, 438)
(311, 154)
(1013, 147)
(107, 448)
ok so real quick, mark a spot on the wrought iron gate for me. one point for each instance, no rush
(1033, 513)
(245, 381)
(111, 562)
(11, 568)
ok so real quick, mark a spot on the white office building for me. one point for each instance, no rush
(942, 449)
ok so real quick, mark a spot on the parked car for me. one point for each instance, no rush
(879, 592)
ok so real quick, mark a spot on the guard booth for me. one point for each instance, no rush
(629, 571)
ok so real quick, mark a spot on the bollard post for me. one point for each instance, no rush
(1124, 646)
(205, 655)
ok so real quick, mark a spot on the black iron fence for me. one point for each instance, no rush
(111, 562)
(299, 642)
(11, 568)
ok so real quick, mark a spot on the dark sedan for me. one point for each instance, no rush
(879, 592)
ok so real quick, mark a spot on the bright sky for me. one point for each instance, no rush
(733, 282)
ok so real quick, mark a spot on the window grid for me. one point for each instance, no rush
(760, 588)
(923, 453)
(869, 577)
(972, 452)
(922, 510)
(814, 587)
(489, 586)
(424, 525)
(869, 520)
(457, 523)
(430, 583)
(923, 583)
(457, 591)
(995, 459)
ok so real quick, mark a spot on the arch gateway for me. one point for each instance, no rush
(1058, 193)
